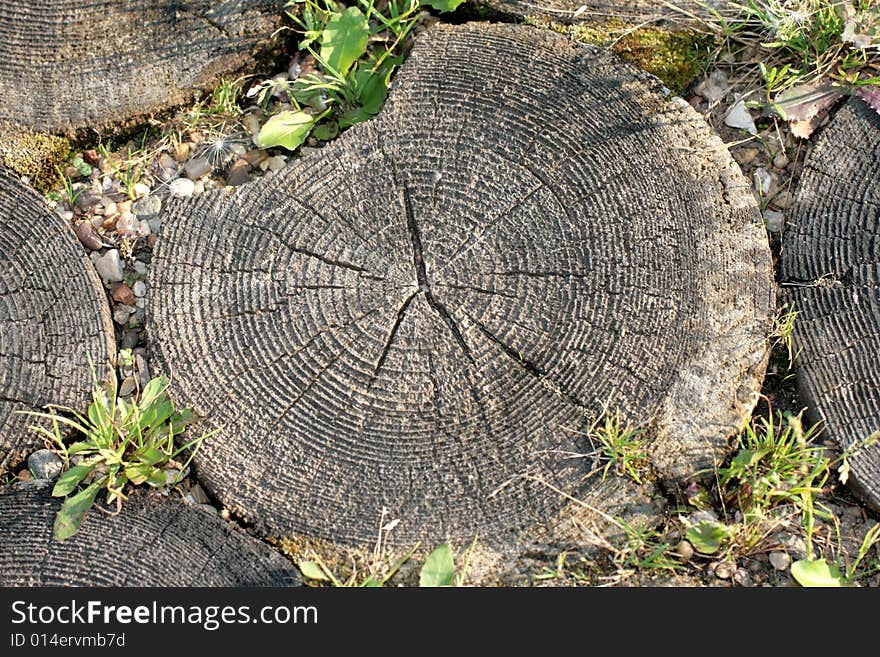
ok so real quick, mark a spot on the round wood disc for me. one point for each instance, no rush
(66, 64)
(424, 317)
(53, 316)
(831, 266)
(152, 541)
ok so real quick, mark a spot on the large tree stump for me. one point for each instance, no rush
(424, 316)
(67, 64)
(53, 316)
(831, 265)
(151, 542)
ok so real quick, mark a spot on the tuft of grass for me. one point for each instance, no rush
(782, 333)
(622, 447)
(116, 443)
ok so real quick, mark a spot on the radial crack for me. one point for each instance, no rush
(422, 275)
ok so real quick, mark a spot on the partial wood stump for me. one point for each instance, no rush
(424, 317)
(831, 265)
(68, 64)
(53, 316)
(153, 541)
(681, 13)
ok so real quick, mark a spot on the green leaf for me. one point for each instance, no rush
(326, 131)
(70, 479)
(816, 573)
(81, 446)
(286, 129)
(706, 537)
(443, 5)
(149, 455)
(311, 570)
(372, 89)
(344, 39)
(153, 391)
(439, 569)
(749, 457)
(138, 473)
(72, 513)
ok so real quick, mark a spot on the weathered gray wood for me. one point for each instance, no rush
(831, 261)
(681, 13)
(423, 316)
(153, 541)
(67, 64)
(53, 315)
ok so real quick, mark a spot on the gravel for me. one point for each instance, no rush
(109, 267)
(779, 560)
(44, 464)
(181, 187)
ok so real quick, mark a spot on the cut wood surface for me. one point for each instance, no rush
(67, 64)
(680, 13)
(425, 316)
(152, 541)
(831, 266)
(53, 316)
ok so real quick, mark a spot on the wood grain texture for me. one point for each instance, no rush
(67, 64)
(153, 541)
(677, 13)
(53, 315)
(831, 263)
(424, 315)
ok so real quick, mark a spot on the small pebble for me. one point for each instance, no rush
(224, 513)
(66, 215)
(276, 163)
(774, 221)
(739, 117)
(713, 87)
(239, 173)
(128, 386)
(122, 314)
(181, 187)
(196, 168)
(87, 200)
(745, 155)
(90, 156)
(742, 577)
(110, 208)
(141, 189)
(130, 339)
(783, 199)
(44, 464)
(684, 550)
(251, 123)
(702, 516)
(763, 182)
(181, 152)
(781, 160)
(122, 293)
(197, 495)
(87, 236)
(140, 267)
(139, 288)
(724, 570)
(109, 267)
(127, 225)
(25, 475)
(147, 207)
(779, 560)
(199, 187)
(255, 156)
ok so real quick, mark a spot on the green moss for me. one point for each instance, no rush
(676, 57)
(33, 155)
